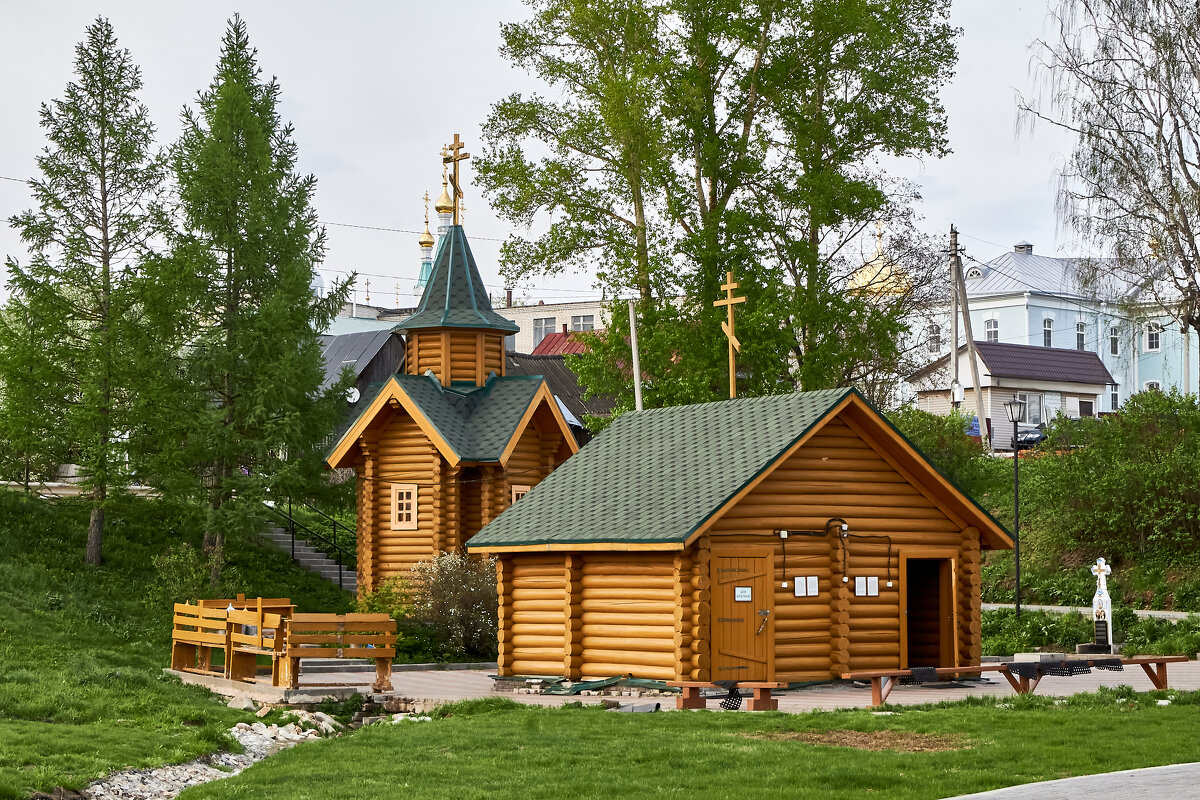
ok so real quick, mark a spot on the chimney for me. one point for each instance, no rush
(564, 327)
(508, 298)
(1023, 247)
(541, 302)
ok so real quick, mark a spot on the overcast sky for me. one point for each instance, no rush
(375, 88)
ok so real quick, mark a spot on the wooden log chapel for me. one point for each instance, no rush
(442, 448)
(787, 538)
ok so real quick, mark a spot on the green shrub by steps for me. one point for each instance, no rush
(82, 648)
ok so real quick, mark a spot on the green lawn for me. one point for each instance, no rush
(488, 749)
(82, 648)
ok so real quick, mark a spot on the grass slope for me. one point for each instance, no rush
(82, 648)
(496, 748)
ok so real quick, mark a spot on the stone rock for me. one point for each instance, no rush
(241, 702)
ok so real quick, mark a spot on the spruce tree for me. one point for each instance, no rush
(250, 417)
(93, 219)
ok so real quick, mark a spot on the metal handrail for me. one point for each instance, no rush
(332, 520)
(292, 525)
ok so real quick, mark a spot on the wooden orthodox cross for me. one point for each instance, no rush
(455, 155)
(734, 345)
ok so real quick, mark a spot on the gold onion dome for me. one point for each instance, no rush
(426, 239)
(880, 276)
(444, 204)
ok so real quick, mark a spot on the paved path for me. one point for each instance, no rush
(462, 684)
(1087, 610)
(1153, 783)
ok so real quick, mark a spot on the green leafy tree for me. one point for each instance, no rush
(1122, 485)
(943, 440)
(32, 381)
(741, 137)
(95, 198)
(249, 416)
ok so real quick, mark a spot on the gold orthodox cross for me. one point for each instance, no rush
(455, 155)
(729, 301)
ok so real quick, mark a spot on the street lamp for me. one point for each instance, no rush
(1016, 410)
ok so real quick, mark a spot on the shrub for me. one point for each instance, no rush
(944, 441)
(454, 599)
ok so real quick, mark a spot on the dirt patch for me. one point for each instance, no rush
(900, 741)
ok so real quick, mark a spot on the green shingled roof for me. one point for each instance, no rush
(478, 423)
(655, 476)
(455, 296)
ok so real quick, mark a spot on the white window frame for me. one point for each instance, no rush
(1152, 386)
(1114, 397)
(404, 507)
(991, 330)
(1114, 341)
(1080, 336)
(541, 327)
(1047, 332)
(1028, 398)
(1152, 338)
(519, 491)
(935, 337)
(583, 322)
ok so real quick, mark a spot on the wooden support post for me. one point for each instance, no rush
(689, 697)
(762, 700)
(573, 612)
(701, 616)
(683, 590)
(383, 675)
(1157, 673)
(504, 628)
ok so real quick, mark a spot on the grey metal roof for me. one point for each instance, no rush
(563, 383)
(353, 350)
(1017, 273)
(455, 296)
(657, 475)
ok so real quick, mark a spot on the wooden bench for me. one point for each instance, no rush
(689, 694)
(195, 633)
(342, 636)
(883, 681)
(253, 634)
(275, 605)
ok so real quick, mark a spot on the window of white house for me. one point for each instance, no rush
(510, 342)
(1080, 336)
(1153, 337)
(1047, 333)
(1087, 408)
(583, 322)
(991, 330)
(1152, 386)
(1032, 415)
(1114, 344)
(1114, 397)
(518, 492)
(935, 338)
(542, 327)
(404, 506)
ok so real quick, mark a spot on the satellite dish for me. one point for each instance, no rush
(352, 394)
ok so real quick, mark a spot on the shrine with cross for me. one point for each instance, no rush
(448, 443)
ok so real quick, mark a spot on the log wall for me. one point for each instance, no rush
(838, 474)
(402, 454)
(455, 354)
(533, 598)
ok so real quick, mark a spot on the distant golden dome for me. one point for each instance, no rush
(426, 239)
(880, 276)
(444, 205)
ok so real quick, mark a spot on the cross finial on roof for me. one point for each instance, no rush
(453, 156)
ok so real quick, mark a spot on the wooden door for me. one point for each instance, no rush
(743, 630)
(929, 618)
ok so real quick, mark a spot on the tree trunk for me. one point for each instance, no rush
(95, 531)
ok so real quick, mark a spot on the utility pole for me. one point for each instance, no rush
(955, 383)
(961, 284)
(637, 362)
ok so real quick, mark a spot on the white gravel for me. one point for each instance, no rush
(259, 741)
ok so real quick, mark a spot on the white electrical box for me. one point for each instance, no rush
(860, 586)
(872, 587)
(866, 586)
(742, 594)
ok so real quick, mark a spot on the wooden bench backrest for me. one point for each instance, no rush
(276, 605)
(197, 625)
(341, 636)
(261, 622)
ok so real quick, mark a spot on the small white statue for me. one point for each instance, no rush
(1101, 602)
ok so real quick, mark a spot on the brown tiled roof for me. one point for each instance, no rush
(1030, 362)
(560, 343)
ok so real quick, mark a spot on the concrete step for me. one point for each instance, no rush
(313, 559)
